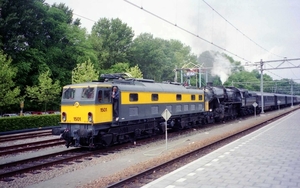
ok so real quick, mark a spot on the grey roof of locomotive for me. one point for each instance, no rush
(124, 85)
(158, 87)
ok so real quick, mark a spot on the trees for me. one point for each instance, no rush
(21, 24)
(66, 43)
(9, 92)
(135, 72)
(243, 79)
(40, 37)
(115, 38)
(178, 55)
(21, 31)
(45, 92)
(157, 58)
(147, 52)
(117, 68)
(84, 72)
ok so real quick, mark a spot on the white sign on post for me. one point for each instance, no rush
(166, 115)
(255, 105)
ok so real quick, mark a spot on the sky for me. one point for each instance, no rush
(249, 30)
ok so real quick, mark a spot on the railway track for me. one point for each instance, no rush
(8, 170)
(11, 170)
(19, 136)
(13, 149)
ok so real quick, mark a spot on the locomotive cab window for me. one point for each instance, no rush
(178, 97)
(87, 93)
(69, 93)
(193, 97)
(154, 97)
(133, 97)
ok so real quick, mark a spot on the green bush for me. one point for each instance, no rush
(28, 122)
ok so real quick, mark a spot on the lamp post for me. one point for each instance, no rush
(21, 106)
(292, 93)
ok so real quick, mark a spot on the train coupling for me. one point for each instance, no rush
(84, 133)
(57, 131)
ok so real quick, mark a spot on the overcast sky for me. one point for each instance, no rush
(254, 30)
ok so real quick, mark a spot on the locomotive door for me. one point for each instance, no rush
(104, 96)
(104, 103)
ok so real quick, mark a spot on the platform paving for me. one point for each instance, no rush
(268, 157)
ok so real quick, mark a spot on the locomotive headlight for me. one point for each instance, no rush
(90, 117)
(64, 116)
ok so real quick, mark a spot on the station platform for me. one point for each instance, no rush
(268, 157)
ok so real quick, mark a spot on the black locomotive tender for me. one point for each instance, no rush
(87, 118)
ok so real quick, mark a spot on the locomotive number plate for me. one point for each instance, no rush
(77, 118)
(103, 109)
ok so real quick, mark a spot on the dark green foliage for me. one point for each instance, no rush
(27, 122)
(157, 58)
(115, 38)
(9, 92)
(39, 38)
(21, 24)
(21, 28)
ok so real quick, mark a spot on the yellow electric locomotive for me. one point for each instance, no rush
(91, 117)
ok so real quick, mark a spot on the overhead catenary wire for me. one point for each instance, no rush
(205, 40)
(85, 17)
(187, 31)
(240, 30)
(278, 75)
(174, 24)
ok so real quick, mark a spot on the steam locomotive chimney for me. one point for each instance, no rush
(209, 84)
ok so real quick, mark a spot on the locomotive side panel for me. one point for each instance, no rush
(139, 105)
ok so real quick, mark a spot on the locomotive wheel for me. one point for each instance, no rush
(106, 140)
(137, 133)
